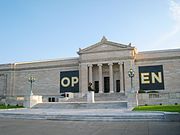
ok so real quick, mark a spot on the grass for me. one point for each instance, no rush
(9, 107)
(165, 108)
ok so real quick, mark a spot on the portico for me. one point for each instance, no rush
(107, 77)
(105, 65)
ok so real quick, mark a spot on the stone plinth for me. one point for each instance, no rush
(32, 100)
(90, 97)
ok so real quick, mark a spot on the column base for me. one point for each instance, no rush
(122, 91)
(100, 91)
(111, 91)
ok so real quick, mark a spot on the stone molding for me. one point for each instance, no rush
(105, 41)
(40, 67)
(113, 50)
(106, 60)
(157, 59)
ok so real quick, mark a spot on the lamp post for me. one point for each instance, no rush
(31, 79)
(131, 75)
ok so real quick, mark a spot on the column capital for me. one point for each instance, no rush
(99, 64)
(110, 64)
(90, 65)
(120, 63)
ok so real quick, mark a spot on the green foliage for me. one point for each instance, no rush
(141, 91)
(165, 108)
(10, 106)
(152, 91)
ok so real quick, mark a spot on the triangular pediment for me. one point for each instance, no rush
(103, 46)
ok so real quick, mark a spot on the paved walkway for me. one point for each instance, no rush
(47, 127)
(88, 114)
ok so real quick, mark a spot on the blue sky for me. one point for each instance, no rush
(33, 30)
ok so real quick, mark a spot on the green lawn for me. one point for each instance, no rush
(165, 108)
(9, 107)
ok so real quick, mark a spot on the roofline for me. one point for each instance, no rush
(105, 41)
(159, 51)
(41, 61)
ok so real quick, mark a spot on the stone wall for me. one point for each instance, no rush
(47, 75)
(159, 98)
(14, 77)
(171, 67)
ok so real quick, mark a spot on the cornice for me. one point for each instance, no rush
(158, 59)
(160, 51)
(107, 59)
(40, 67)
(121, 49)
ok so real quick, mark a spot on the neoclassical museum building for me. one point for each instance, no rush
(116, 71)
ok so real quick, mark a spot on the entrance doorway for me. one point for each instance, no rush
(96, 86)
(106, 85)
(117, 85)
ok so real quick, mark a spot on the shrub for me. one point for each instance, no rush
(141, 91)
(152, 91)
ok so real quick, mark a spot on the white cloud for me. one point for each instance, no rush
(171, 38)
(175, 11)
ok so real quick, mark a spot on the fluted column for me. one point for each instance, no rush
(111, 77)
(100, 78)
(90, 72)
(121, 77)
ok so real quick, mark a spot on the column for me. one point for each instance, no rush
(100, 78)
(83, 78)
(90, 73)
(111, 77)
(121, 77)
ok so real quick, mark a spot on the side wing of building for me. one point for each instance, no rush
(14, 78)
(161, 67)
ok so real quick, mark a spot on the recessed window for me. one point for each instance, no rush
(51, 99)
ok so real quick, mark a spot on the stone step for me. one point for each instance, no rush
(108, 94)
(81, 105)
(89, 115)
(100, 97)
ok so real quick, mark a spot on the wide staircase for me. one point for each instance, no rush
(99, 97)
(102, 101)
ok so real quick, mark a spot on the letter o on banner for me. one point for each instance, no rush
(65, 82)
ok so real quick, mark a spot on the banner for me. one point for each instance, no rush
(151, 77)
(69, 81)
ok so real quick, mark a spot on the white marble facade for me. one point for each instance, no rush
(105, 64)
